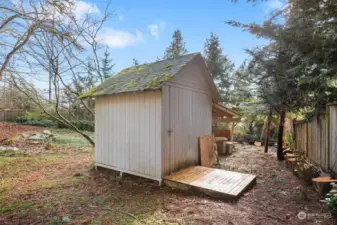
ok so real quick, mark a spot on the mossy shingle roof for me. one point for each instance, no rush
(140, 78)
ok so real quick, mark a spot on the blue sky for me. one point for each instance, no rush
(143, 29)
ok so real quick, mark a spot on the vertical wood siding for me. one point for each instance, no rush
(332, 142)
(191, 77)
(128, 129)
(187, 112)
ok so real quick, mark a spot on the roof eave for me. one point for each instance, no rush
(123, 92)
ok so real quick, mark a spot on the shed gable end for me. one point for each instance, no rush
(193, 76)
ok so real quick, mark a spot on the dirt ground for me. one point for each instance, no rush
(8, 130)
(60, 186)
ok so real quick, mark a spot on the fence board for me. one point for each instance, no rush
(301, 137)
(323, 138)
(317, 139)
(10, 115)
(332, 154)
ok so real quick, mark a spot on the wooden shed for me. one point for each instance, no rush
(148, 117)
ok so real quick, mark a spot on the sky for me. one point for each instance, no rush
(143, 29)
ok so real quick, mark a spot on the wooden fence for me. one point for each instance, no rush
(10, 115)
(317, 138)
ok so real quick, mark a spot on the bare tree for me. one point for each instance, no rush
(47, 43)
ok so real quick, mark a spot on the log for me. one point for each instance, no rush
(303, 171)
(322, 185)
(229, 146)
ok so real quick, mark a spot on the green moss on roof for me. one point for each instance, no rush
(140, 78)
(130, 70)
(89, 93)
(157, 81)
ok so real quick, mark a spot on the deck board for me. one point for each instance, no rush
(213, 182)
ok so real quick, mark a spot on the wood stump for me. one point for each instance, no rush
(322, 185)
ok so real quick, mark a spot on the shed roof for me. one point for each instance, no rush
(221, 113)
(143, 77)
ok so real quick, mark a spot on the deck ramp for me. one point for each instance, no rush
(216, 183)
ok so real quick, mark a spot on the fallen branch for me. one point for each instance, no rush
(116, 210)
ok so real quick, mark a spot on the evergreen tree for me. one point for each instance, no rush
(135, 62)
(106, 70)
(177, 46)
(241, 92)
(219, 66)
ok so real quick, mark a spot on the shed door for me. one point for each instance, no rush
(189, 117)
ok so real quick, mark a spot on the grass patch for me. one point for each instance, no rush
(79, 179)
(7, 205)
(23, 174)
(71, 140)
(11, 153)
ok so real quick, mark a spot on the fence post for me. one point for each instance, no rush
(294, 134)
(327, 134)
(306, 140)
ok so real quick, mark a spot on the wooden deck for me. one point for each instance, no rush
(216, 183)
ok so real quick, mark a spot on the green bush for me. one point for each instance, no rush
(42, 123)
(251, 138)
(22, 119)
(331, 200)
(288, 139)
(82, 125)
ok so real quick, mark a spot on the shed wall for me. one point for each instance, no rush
(192, 78)
(187, 112)
(128, 133)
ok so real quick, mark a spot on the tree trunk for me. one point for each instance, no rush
(266, 139)
(232, 130)
(280, 136)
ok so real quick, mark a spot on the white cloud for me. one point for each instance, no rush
(274, 4)
(120, 39)
(155, 28)
(82, 8)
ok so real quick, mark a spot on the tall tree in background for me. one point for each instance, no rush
(107, 65)
(277, 83)
(135, 62)
(297, 69)
(241, 91)
(177, 46)
(219, 65)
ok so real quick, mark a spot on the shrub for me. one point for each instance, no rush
(28, 119)
(33, 122)
(331, 200)
(81, 125)
(22, 119)
(288, 139)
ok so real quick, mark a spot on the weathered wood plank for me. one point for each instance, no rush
(206, 151)
(213, 182)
